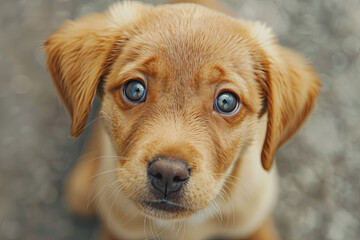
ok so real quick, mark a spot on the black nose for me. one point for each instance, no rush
(168, 175)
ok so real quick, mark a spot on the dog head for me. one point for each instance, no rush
(183, 91)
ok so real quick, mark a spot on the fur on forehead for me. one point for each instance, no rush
(189, 36)
(194, 18)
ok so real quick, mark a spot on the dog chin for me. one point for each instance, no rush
(164, 210)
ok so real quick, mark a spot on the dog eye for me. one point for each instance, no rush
(134, 91)
(227, 102)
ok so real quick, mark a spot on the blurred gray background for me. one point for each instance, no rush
(319, 168)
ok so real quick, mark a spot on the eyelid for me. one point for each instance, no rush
(124, 77)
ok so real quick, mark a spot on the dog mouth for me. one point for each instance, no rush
(164, 206)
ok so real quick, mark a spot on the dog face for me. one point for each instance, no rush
(183, 90)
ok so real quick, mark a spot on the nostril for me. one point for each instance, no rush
(158, 176)
(177, 179)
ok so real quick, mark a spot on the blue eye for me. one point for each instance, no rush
(134, 91)
(227, 102)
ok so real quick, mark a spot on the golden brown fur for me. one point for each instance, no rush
(186, 55)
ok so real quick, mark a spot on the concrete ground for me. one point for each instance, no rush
(319, 168)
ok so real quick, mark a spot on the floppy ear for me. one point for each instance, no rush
(78, 55)
(291, 88)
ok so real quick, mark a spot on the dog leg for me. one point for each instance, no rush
(80, 181)
(265, 232)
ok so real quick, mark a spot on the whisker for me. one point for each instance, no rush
(184, 229)
(242, 191)
(223, 192)
(179, 227)
(109, 184)
(91, 122)
(112, 204)
(145, 233)
(217, 212)
(129, 220)
(107, 171)
(163, 230)
(237, 178)
(102, 112)
(84, 162)
(232, 206)
(153, 231)
(227, 206)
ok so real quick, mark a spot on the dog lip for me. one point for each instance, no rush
(165, 205)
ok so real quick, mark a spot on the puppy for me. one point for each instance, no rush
(195, 104)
